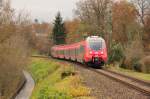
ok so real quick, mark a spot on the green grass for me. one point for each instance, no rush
(133, 73)
(51, 85)
(40, 68)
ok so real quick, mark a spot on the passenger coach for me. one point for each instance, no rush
(90, 51)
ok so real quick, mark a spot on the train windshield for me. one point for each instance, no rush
(95, 44)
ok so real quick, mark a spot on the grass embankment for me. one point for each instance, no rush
(56, 81)
(132, 73)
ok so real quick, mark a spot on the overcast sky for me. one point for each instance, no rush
(45, 10)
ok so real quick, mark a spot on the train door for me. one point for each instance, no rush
(61, 53)
(69, 53)
(78, 54)
(65, 54)
(73, 54)
(82, 52)
(56, 53)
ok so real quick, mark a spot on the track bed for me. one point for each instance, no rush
(104, 87)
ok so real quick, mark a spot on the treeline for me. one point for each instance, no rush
(125, 25)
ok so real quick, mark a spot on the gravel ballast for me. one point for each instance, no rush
(103, 87)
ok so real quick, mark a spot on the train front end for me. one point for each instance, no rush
(96, 51)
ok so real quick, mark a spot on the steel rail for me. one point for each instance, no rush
(39, 56)
(132, 82)
(139, 85)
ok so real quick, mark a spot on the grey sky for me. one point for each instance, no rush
(45, 10)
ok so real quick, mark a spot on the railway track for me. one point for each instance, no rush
(137, 84)
(39, 56)
(131, 82)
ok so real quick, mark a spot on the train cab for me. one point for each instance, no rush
(96, 52)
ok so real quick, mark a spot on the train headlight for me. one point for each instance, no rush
(91, 52)
(102, 52)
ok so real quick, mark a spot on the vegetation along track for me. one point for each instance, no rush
(137, 84)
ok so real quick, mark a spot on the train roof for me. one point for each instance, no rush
(68, 45)
(76, 44)
(95, 37)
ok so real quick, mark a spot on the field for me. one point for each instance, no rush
(55, 80)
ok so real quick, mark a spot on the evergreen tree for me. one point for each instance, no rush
(59, 34)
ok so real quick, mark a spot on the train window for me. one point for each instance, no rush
(63, 52)
(67, 51)
(73, 52)
(70, 51)
(95, 45)
(81, 49)
(60, 52)
(56, 52)
(76, 52)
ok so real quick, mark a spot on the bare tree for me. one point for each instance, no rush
(144, 9)
(94, 12)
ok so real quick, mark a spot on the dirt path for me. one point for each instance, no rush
(26, 92)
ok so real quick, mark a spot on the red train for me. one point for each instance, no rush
(90, 51)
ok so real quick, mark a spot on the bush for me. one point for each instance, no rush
(137, 65)
(68, 71)
(133, 53)
(145, 64)
(42, 45)
(115, 53)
